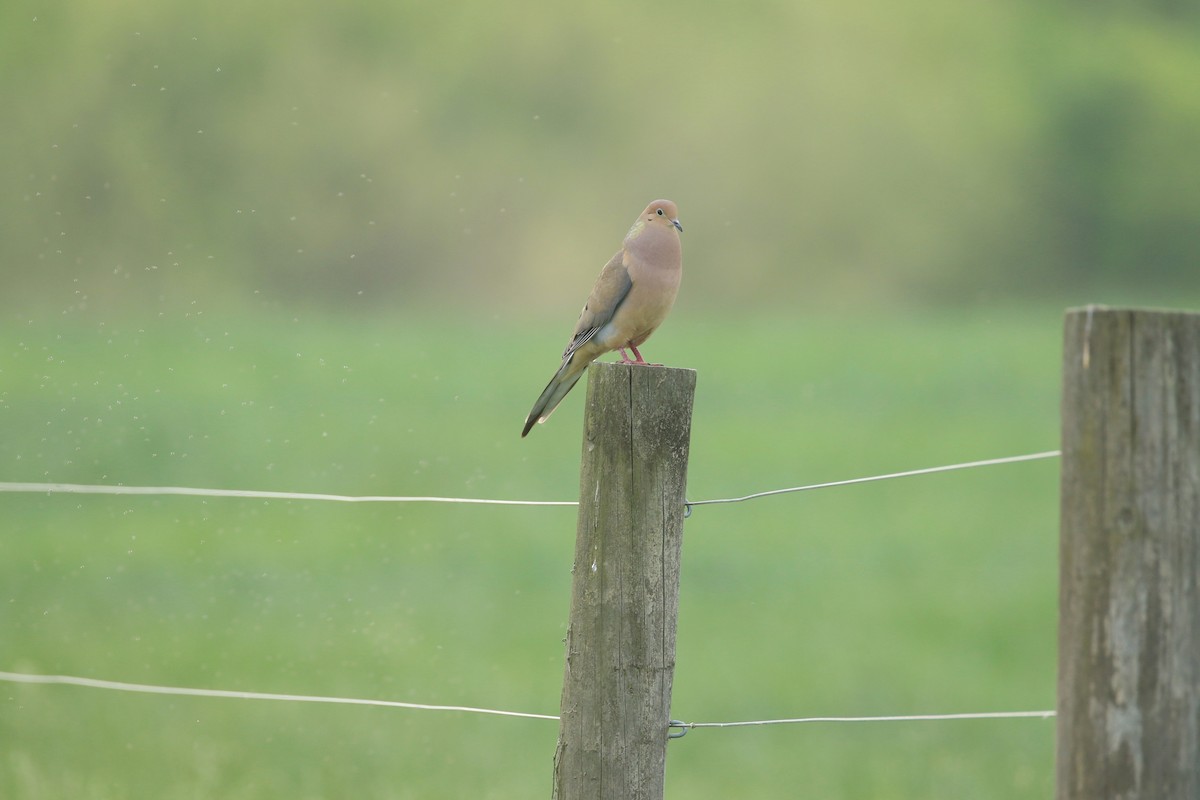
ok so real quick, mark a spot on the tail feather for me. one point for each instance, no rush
(562, 382)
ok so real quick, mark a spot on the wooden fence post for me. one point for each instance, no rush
(1129, 591)
(620, 645)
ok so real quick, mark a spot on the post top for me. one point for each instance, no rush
(1097, 308)
(599, 365)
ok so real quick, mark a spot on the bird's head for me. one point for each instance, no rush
(662, 212)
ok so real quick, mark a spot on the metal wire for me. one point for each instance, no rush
(120, 686)
(81, 488)
(679, 728)
(901, 718)
(909, 473)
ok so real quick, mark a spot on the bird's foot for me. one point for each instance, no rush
(640, 361)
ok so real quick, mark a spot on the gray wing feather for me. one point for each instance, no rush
(610, 290)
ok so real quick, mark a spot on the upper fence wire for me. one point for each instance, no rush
(82, 488)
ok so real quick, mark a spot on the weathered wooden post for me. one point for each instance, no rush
(1129, 619)
(620, 654)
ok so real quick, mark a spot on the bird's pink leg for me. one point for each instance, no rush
(640, 360)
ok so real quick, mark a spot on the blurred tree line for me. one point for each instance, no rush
(391, 153)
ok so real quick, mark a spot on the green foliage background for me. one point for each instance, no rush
(337, 248)
(380, 153)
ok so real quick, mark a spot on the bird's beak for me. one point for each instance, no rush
(678, 227)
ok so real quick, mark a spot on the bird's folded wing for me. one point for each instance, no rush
(611, 289)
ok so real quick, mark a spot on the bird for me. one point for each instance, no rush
(631, 298)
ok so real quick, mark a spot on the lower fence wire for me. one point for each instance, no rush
(679, 728)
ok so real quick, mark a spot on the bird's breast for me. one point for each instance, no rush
(644, 309)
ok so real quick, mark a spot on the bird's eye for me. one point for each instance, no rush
(659, 212)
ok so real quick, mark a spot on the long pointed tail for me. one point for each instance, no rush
(567, 376)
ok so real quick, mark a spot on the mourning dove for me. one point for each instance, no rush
(631, 298)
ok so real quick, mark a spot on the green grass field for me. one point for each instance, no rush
(922, 595)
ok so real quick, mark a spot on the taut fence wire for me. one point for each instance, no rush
(228, 694)
(102, 489)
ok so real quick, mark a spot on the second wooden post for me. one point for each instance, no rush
(620, 645)
(1129, 624)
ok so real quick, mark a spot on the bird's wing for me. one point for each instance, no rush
(611, 289)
